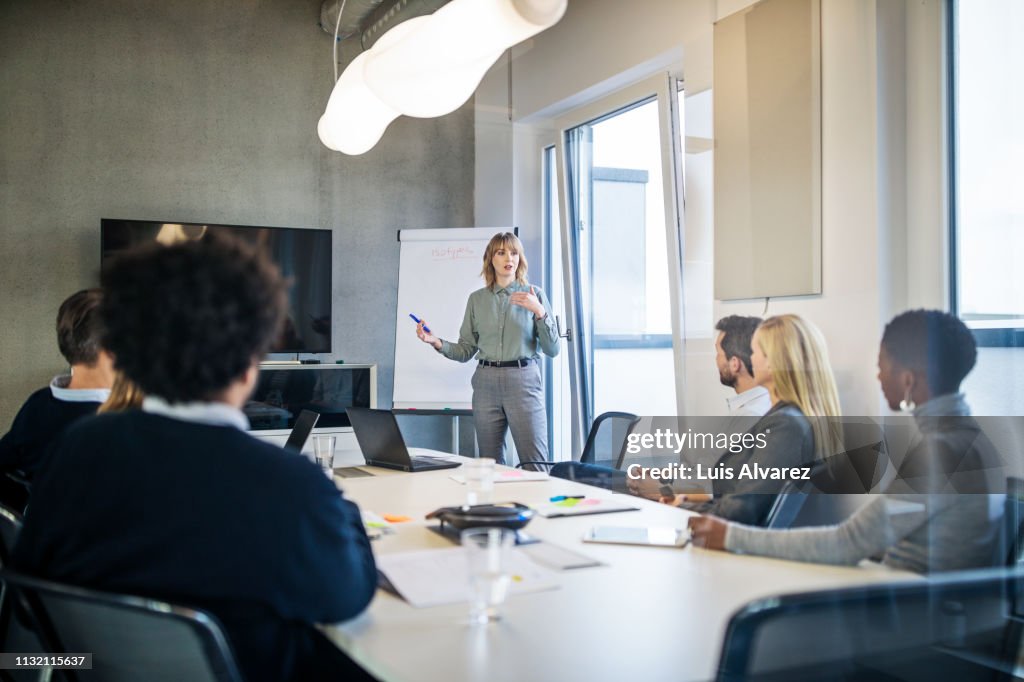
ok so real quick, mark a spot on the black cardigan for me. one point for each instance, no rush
(789, 442)
(206, 516)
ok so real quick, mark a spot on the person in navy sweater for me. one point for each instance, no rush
(175, 500)
(69, 397)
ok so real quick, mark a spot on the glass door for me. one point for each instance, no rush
(622, 247)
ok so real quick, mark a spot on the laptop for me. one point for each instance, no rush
(300, 432)
(382, 443)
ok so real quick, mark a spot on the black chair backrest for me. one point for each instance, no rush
(950, 627)
(131, 638)
(10, 526)
(787, 506)
(14, 491)
(606, 442)
(1013, 521)
(836, 482)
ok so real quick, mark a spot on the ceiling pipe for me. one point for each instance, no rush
(352, 19)
(390, 14)
(370, 19)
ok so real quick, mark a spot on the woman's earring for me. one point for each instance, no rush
(907, 404)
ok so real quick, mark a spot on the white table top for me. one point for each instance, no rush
(650, 613)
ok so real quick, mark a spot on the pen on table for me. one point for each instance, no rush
(562, 498)
(417, 321)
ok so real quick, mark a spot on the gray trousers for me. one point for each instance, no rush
(510, 397)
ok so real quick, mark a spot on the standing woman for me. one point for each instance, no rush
(509, 323)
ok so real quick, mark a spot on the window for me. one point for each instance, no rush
(622, 251)
(621, 248)
(988, 166)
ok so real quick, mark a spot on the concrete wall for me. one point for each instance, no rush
(197, 110)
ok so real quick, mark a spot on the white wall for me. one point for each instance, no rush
(882, 154)
(849, 311)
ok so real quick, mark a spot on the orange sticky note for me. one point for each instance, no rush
(395, 518)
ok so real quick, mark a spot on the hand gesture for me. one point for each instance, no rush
(528, 301)
(707, 532)
(427, 337)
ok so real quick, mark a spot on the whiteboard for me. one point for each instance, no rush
(437, 271)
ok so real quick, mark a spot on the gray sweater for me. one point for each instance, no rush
(945, 519)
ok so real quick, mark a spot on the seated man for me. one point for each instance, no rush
(68, 397)
(175, 501)
(749, 402)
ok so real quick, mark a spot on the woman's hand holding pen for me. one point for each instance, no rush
(427, 337)
(528, 301)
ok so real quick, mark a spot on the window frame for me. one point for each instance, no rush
(993, 336)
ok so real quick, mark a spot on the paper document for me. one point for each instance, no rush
(375, 524)
(432, 577)
(558, 558)
(508, 476)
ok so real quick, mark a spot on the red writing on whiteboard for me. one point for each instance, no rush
(452, 253)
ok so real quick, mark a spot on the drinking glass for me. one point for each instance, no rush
(323, 448)
(487, 556)
(479, 475)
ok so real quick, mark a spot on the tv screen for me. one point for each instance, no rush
(304, 256)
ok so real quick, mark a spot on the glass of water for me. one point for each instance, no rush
(487, 557)
(323, 449)
(479, 475)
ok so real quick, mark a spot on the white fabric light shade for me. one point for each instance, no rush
(435, 68)
(355, 119)
(427, 66)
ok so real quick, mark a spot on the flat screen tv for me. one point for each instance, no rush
(304, 256)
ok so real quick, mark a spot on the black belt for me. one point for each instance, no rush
(521, 362)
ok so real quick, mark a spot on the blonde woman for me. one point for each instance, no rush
(790, 360)
(507, 325)
(124, 395)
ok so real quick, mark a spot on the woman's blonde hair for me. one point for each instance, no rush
(503, 240)
(802, 375)
(124, 395)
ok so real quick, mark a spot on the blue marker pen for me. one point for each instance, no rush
(417, 321)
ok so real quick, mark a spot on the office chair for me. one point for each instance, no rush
(1013, 521)
(603, 453)
(1013, 526)
(950, 627)
(836, 482)
(10, 526)
(14, 491)
(131, 638)
(14, 636)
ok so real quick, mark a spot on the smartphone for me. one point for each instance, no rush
(657, 537)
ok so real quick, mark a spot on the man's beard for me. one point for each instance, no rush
(727, 380)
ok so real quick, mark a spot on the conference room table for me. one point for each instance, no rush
(647, 613)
